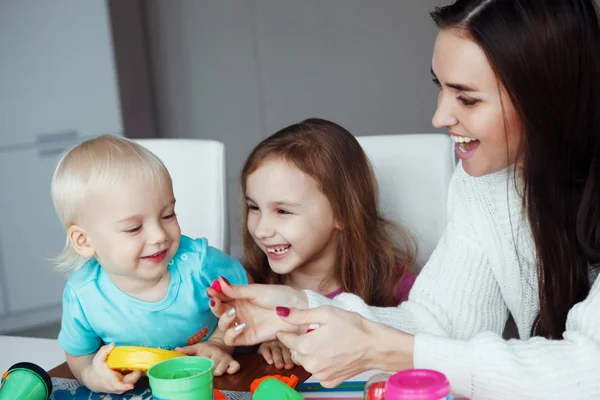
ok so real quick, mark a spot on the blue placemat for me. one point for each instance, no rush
(70, 389)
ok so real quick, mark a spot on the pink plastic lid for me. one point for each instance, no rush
(417, 384)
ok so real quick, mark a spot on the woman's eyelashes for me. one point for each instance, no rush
(466, 101)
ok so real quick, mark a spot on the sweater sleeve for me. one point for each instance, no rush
(488, 367)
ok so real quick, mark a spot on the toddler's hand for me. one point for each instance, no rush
(216, 351)
(275, 352)
(99, 378)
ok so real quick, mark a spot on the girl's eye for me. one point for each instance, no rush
(133, 230)
(252, 208)
(283, 212)
(170, 216)
(437, 83)
(467, 102)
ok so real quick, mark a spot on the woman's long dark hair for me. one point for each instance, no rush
(546, 54)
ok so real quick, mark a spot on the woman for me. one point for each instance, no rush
(520, 94)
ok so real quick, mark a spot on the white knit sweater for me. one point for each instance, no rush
(458, 307)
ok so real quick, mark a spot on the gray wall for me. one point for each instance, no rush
(237, 71)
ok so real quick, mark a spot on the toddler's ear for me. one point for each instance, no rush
(80, 241)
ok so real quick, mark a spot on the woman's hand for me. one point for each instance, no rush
(248, 312)
(345, 344)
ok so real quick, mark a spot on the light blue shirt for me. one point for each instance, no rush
(95, 311)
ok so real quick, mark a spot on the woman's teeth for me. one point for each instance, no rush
(462, 142)
(278, 250)
(462, 139)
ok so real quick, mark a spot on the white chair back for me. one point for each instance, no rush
(197, 168)
(413, 172)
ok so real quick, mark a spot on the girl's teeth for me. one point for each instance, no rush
(278, 250)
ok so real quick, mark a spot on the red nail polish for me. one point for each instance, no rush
(212, 303)
(309, 330)
(225, 279)
(282, 311)
(216, 285)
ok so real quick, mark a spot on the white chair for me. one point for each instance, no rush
(197, 168)
(413, 172)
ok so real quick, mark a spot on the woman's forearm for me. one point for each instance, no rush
(392, 350)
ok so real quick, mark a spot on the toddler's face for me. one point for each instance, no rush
(289, 218)
(133, 229)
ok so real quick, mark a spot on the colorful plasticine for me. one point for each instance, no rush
(291, 381)
(272, 388)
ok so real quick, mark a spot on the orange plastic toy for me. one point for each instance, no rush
(291, 381)
(219, 395)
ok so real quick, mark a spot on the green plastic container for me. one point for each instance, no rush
(25, 381)
(183, 378)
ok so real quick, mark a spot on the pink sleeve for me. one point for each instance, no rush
(405, 285)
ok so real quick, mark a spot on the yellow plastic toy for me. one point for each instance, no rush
(128, 358)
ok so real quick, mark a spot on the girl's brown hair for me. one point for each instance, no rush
(368, 263)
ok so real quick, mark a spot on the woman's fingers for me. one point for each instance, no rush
(228, 319)
(246, 292)
(312, 316)
(213, 293)
(217, 307)
(289, 340)
(232, 336)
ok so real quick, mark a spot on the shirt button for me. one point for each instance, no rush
(183, 257)
(171, 262)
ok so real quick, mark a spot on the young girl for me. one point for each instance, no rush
(312, 221)
(519, 93)
(135, 279)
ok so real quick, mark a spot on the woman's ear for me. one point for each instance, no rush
(80, 241)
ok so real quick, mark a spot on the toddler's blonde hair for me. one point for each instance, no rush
(94, 167)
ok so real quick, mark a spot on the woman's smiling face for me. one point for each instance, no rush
(473, 105)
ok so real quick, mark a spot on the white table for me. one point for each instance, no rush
(46, 353)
